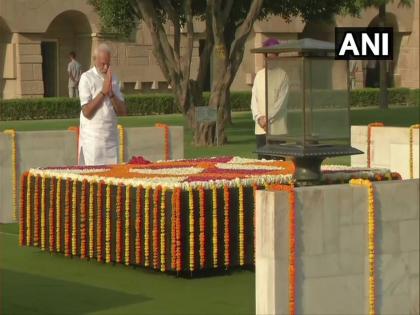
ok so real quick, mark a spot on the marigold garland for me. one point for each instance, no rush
(411, 155)
(146, 226)
(108, 224)
(12, 134)
(37, 210)
(155, 234)
(254, 190)
(83, 206)
(167, 140)
(43, 213)
(58, 217)
(67, 200)
(191, 228)
(202, 202)
(241, 225)
(371, 240)
(178, 230)
(127, 226)
(23, 185)
(51, 229)
(74, 219)
(122, 144)
(28, 210)
(99, 232)
(90, 220)
(162, 230)
(226, 225)
(215, 234)
(138, 225)
(173, 230)
(118, 243)
(369, 140)
(292, 243)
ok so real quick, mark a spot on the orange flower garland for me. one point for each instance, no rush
(167, 140)
(371, 240)
(43, 213)
(51, 228)
(411, 154)
(178, 229)
(28, 210)
(118, 243)
(292, 243)
(215, 234)
(162, 230)
(58, 217)
(191, 227)
(254, 190)
(369, 140)
(84, 205)
(74, 219)
(155, 235)
(108, 224)
(241, 225)
(138, 226)
(37, 210)
(173, 230)
(90, 220)
(146, 227)
(12, 134)
(226, 225)
(127, 226)
(202, 201)
(23, 185)
(99, 232)
(67, 201)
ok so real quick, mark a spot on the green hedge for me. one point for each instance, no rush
(147, 104)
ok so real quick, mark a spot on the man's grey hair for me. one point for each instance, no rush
(101, 47)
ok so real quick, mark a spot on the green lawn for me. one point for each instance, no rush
(35, 282)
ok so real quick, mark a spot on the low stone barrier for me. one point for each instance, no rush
(322, 265)
(21, 151)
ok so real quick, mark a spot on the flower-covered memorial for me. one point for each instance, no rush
(179, 216)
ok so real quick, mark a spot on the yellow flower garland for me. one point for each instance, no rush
(121, 147)
(28, 211)
(162, 231)
(58, 217)
(241, 225)
(146, 226)
(12, 134)
(108, 224)
(74, 219)
(36, 209)
(191, 229)
(138, 226)
(127, 226)
(214, 204)
(371, 239)
(43, 213)
(118, 224)
(67, 219)
(90, 222)
(83, 205)
(411, 156)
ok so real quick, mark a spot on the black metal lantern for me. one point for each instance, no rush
(306, 105)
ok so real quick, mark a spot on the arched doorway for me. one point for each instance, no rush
(372, 66)
(69, 31)
(6, 58)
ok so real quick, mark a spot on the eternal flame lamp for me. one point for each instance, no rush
(307, 105)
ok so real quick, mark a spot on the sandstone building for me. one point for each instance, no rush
(37, 35)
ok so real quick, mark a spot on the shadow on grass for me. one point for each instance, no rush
(24, 293)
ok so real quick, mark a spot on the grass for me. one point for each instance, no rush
(35, 282)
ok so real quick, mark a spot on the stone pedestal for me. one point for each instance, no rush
(331, 249)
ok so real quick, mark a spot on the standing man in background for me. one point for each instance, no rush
(102, 102)
(75, 71)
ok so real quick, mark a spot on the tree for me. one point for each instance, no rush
(383, 81)
(227, 26)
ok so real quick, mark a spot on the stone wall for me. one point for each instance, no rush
(59, 148)
(331, 249)
(389, 148)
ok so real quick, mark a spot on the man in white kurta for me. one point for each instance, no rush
(101, 101)
(278, 90)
